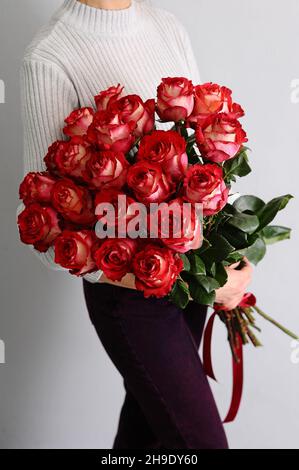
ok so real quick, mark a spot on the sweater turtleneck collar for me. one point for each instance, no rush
(97, 20)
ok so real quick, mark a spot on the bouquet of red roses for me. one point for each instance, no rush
(122, 197)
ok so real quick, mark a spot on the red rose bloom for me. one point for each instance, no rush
(175, 99)
(177, 225)
(211, 98)
(107, 169)
(148, 182)
(122, 214)
(73, 202)
(78, 122)
(38, 226)
(167, 149)
(114, 257)
(106, 97)
(220, 137)
(156, 270)
(131, 108)
(37, 187)
(73, 251)
(72, 156)
(108, 132)
(50, 158)
(204, 184)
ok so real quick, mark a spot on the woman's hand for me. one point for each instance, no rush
(231, 294)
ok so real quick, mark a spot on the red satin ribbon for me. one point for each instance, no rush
(237, 368)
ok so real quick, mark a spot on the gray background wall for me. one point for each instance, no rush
(57, 388)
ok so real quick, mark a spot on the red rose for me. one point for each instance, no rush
(71, 157)
(167, 149)
(204, 184)
(50, 158)
(175, 99)
(37, 187)
(211, 98)
(107, 169)
(78, 122)
(132, 108)
(73, 202)
(73, 251)
(122, 214)
(220, 137)
(177, 225)
(110, 133)
(148, 182)
(106, 97)
(156, 270)
(38, 226)
(114, 257)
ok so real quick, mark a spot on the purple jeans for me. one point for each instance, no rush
(154, 346)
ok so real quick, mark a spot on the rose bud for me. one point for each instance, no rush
(38, 226)
(72, 157)
(132, 108)
(108, 132)
(211, 98)
(204, 184)
(148, 182)
(51, 157)
(177, 225)
(74, 251)
(106, 97)
(175, 99)
(167, 149)
(107, 168)
(73, 202)
(123, 210)
(37, 187)
(114, 257)
(156, 270)
(78, 122)
(220, 137)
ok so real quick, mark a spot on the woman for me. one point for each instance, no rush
(88, 46)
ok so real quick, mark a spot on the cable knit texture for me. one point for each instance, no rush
(84, 50)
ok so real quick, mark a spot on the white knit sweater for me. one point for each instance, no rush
(84, 50)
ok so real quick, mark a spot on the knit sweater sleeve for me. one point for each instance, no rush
(48, 96)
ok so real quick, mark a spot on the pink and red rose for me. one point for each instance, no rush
(72, 156)
(167, 149)
(131, 108)
(78, 122)
(38, 226)
(106, 169)
(107, 97)
(74, 251)
(156, 270)
(114, 257)
(220, 137)
(175, 99)
(148, 182)
(73, 202)
(37, 187)
(204, 184)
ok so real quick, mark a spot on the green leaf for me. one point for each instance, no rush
(197, 265)
(186, 262)
(208, 283)
(220, 274)
(248, 203)
(275, 233)
(200, 295)
(256, 252)
(245, 222)
(234, 258)
(236, 237)
(180, 294)
(237, 166)
(205, 245)
(219, 250)
(269, 211)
